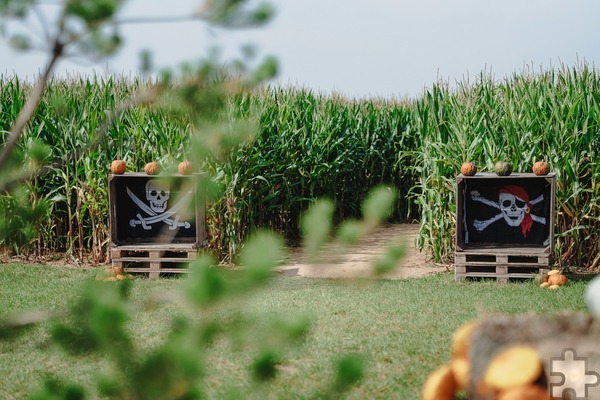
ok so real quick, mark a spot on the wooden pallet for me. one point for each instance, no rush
(154, 259)
(500, 264)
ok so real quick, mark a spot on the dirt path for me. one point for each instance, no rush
(358, 261)
(354, 262)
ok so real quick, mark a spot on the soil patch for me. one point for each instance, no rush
(357, 261)
(334, 262)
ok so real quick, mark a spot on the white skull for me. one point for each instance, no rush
(513, 208)
(157, 194)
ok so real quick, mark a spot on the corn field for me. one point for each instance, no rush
(308, 146)
(552, 115)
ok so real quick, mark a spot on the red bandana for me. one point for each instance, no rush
(519, 192)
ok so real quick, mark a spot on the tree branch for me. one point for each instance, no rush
(33, 100)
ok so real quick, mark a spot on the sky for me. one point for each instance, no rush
(364, 49)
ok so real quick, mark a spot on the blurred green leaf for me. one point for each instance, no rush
(205, 284)
(38, 151)
(171, 372)
(100, 44)
(390, 259)
(264, 366)
(146, 62)
(268, 69)
(110, 386)
(92, 11)
(262, 252)
(15, 8)
(295, 328)
(97, 321)
(263, 13)
(378, 205)
(350, 369)
(316, 225)
(56, 389)
(349, 232)
(236, 14)
(20, 42)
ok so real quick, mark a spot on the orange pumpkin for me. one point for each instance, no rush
(440, 385)
(118, 270)
(118, 167)
(557, 279)
(541, 168)
(152, 168)
(185, 168)
(468, 169)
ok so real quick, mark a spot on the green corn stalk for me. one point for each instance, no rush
(309, 146)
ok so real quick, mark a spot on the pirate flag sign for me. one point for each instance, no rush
(153, 208)
(507, 212)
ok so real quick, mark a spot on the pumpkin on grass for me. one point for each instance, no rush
(553, 272)
(557, 279)
(553, 279)
(114, 274)
(541, 278)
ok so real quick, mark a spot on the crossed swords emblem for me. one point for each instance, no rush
(155, 217)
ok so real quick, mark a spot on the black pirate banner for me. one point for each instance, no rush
(155, 207)
(507, 211)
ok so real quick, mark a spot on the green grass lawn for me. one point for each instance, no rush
(401, 328)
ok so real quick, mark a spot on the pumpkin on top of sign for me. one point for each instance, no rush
(152, 168)
(541, 168)
(503, 168)
(118, 167)
(185, 168)
(468, 169)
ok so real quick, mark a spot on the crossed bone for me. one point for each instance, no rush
(155, 217)
(481, 225)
